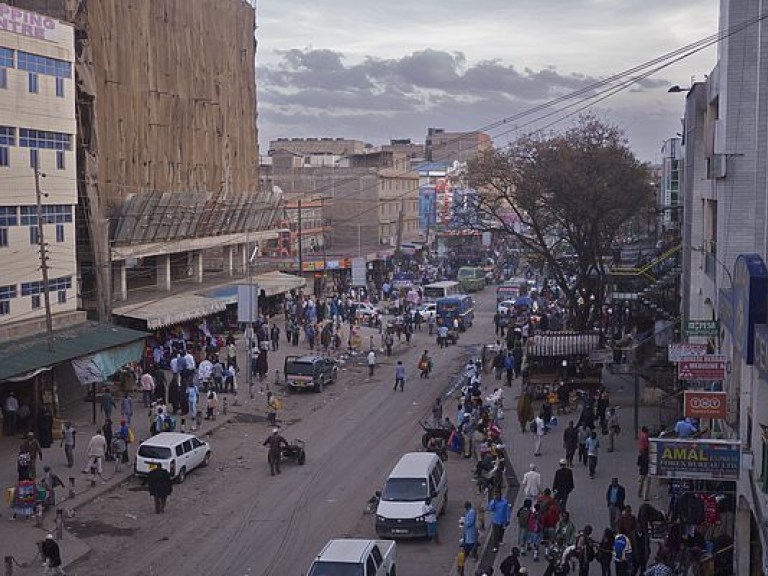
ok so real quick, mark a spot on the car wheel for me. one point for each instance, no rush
(182, 475)
(301, 458)
(207, 459)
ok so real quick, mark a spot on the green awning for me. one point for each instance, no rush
(26, 355)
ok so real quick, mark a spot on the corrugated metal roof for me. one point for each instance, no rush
(28, 354)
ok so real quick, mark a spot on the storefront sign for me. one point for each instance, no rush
(750, 284)
(708, 328)
(702, 404)
(26, 23)
(707, 367)
(677, 352)
(705, 459)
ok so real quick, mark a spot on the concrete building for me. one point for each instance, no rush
(668, 199)
(167, 149)
(412, 150)
(38, 130)
(318, 146)
(449, 147)
(725, 243)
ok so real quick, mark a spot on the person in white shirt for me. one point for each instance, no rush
(189, 361)
(205, 370)
(540, 431)
(371, 362)
(531, 483)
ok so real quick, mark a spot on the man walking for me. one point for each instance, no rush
(614, 497)
(430, 519)
(539, 436)
(371, 362)
(531, 483)
(51, 553)
(107, 403)
(10, 413)
(97, 450)
(274, 336)
(148, 385)
(509, 367)
(592, 447)
(563, 484)
(500, 508)
(399, 376)
(68, 433)
(570, 443)
(644, 480)
(160, 487)
(470, 531)
(126, 408)
(275, 442)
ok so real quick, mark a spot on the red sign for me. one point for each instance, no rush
(699, 404)
(707, 367)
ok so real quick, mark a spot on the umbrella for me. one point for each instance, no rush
(524, 301)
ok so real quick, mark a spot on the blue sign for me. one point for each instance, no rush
(750, 286)
(706, 459)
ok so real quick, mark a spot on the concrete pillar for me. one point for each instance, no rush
(197, 266)
(164, 272)
(119, 281)
(742, 534)
(241, 258)
(230, 254)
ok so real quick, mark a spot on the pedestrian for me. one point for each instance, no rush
(437, 412)
(565, 530)
(275, 442)
(614, 497)
(541, 429)
(592, 447)
(192, 396)
(604, 552)
(510, 566)
(524, 410)
(644, 479)
(371, 362)
(663, 565)
(68, 434)
(120, 446)
(430, 519)
(274, 336)
(126, 408)
(643, 440)
(31, 446)
(622, 554)
(509, 367)
(10, 414)
(51, 481)
(531, 483)
(570, 443)
(211, 405)
(613, 428)
(582, 435)
(148, 384)
(535, 530)
(585, 549)
(160, 487)
(425, 363)
(107, 403)
(500, 520)
(563, 484)
(522, 525)
(107, 430)
(399, 376)
(97, 450)
(470, 537)
(51, 553)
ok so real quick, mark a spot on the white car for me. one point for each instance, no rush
(177, 452)
(365, 311)
(506, 306)
(427, 311)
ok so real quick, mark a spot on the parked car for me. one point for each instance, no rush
(366, 312)
(309, 371)
(356, 557)
(427, 310)
(177, 452)
(506, 306)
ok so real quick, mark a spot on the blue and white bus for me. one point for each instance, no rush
(460, 307)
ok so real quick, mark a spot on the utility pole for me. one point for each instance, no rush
(43, 261)
(325, 251)
(399, 237)
(301, 250)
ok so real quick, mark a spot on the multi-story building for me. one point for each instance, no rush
(449, 147)
(167, 149)
(725, 279)
(38, 131)
(318, 146)
(668, 199)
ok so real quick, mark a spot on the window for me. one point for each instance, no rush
(3, 78)
(7, 292)
(63, 283)
(7, 135)
(43, 139)
(34, 235)
(44, 65)
(3, 237)
(33, 84)
(60, 163)
(35, 301)
(6, 57)
(34, 158)
(60, 87)
(62, 297)
(5, 156)
(52, 214)
(5, 307)
(8, 216)
(59, 232)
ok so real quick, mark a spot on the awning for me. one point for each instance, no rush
(274, 283)
(28, 355)
(171, 310)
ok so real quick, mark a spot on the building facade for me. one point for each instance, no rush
(449, 147)
(38, 131)
(669, 200)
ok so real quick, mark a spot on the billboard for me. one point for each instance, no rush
(707, 367)
(704, 459)
(702, 404)
(677, 352)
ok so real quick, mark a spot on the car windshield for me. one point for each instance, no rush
(157, 452)
(405, 490)
(300, 368)
(336, 569)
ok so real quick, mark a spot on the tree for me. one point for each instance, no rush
(569, 192)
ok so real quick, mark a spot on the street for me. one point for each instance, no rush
(233, 518)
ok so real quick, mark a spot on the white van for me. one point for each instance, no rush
(177, 452)
(416, 477)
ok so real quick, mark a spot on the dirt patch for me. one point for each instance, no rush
(94, 528)
(244, 418)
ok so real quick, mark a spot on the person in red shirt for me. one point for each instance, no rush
(643, 441)
(550, 514)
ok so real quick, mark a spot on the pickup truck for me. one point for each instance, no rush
(353, 557)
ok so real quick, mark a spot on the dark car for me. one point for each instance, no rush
(309, 371)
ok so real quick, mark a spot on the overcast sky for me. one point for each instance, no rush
(379, 70)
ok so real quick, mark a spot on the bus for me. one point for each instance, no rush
(433, 292)
(511, 289)
(460, 307)
(471, 278)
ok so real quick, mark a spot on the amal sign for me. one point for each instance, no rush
(702, 404)
(705, 459)
(680, 350)
(26, 23)
(708, 328)
(707, 367)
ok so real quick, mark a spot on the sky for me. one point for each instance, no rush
(375, 71)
